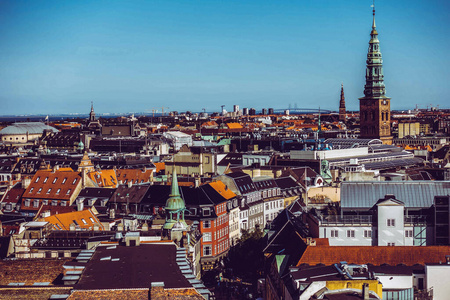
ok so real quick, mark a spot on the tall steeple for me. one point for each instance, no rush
(342, 111)
(375, 119)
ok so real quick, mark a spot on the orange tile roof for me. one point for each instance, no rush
(135, 175)
(222, 189)
(104, 178)
(160, 166)
(234, 126)
(376, 255)
(63, 221)
(57, 185)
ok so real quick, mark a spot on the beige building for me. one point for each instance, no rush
(193, 161)
(22, 133)
(412, 129)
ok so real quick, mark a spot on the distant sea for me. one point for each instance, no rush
(55, 118)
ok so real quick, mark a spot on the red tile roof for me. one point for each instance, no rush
(376, 255)
(58, 185)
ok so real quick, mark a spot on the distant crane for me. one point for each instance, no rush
(162, 110)
(222, 106)
(204, 110)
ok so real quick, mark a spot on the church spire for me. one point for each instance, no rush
(374, 109)
(342, 110)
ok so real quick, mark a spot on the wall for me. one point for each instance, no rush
(437, 278)
(391, 234)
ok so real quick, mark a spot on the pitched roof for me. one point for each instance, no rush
(104, 178)
(222, 189)
(412, 193)
(375, 255)
(134, 175)
(13, 195)
(142, 265)
(84, 219)
(58, 185)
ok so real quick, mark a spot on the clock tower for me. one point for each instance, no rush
(375, 107)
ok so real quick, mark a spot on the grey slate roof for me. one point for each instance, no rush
(415, 194)
(23, 128)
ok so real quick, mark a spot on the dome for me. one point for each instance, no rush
(175, 203)
(27, 127)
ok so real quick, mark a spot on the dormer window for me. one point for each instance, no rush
(54, 203)
(31, 190)
(84, 221)
(27, 202)
(39, 191)
(36, 203)
(68, 192)
(54, 180)
(58, 191)
(64, 180)
(49, 190)
(37, 179)
(45, 180)
(75, 180)
(206, 212)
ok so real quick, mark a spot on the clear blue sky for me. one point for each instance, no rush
(132, 56)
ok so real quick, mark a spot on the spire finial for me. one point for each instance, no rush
(373, 12)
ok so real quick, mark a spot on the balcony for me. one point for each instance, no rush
(346, 220)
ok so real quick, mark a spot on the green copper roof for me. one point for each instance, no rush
(175, 202)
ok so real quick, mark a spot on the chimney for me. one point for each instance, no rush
(130, 183)
(112, 213)
(157, 290)
(80, 204)
(365, 291)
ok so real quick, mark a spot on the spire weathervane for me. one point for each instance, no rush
(373, 12)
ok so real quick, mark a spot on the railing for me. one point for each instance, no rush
(415, 219)
(336, 219)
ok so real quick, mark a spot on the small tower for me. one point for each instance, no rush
(342, 111)
(175, 208)
(92, 113)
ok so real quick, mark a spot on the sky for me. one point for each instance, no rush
(134, 56)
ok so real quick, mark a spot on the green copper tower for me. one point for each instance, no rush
(375, 107)
(175, 206)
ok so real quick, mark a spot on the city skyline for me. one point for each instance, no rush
(57, 57)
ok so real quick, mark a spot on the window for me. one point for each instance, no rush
(45, 180)
(36, 203)
(75, 222)
(84, 221)
(57, 191)
(367, 233)
(391, 244)
(68, 192)
(408, 233)
(49, 190)
(207, 250)
(350, 233)
(27, 202)
(207, 237)
(206, 212)
(39, 191)
(75, 180)
(334, 233)
(54, 180)
(391, 222)
(54, 203)
(92, 220)
(206, 224)
(37, 179)
(64, 180)
(31, 190)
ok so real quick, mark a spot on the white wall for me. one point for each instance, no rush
(391, 234)
(437, 277)
(327, 154)
(396, 282)
(342, 239)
